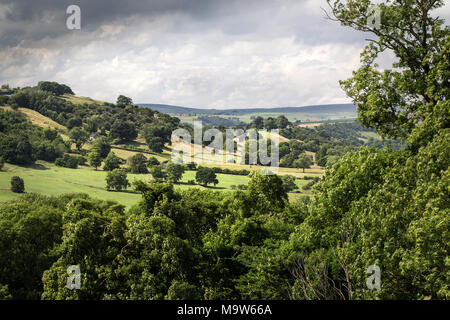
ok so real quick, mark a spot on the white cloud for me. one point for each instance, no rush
(278, 55)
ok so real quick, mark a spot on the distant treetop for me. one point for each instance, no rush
(55, 88)
(124, 101)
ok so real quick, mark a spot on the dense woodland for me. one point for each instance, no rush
(388, 207)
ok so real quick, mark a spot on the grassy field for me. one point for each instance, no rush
(48, 179)
(368, 134)
(293, 116)
(225, 180)
(81, 100)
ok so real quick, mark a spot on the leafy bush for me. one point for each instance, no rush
(81, 160)
(67, 161)
(111, 162)
(205, 176)
(138, 164)
(117, 180)
(54, 87)
(17, 185)
(95, 160)
(102, 146)
(152, 161)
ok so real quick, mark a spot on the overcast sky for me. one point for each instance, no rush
(193, 53)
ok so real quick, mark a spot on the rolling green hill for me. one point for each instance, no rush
(330, 108)
(304, 114)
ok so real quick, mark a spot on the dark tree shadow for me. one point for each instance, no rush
(36, 166)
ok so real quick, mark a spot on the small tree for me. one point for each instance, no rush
(95, 160)
(2, 163)
(123, 130)
(175, 172)
(123, 101)
(138, 163)
(205, 176)
(111, 162)
(156, 144)
(17, 185)
(289, 183)
(78, 136)
(152, 161)
(157, 173)
(117, 180)
(67, 161)
(303, 161)
(102, 145)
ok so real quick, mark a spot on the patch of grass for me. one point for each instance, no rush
(49, 179)
(125, 154)
(40, 120)
(81, 100)
(225, 180)
(369, 134)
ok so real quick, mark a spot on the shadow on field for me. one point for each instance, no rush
(36, 166)
(123, 191)
(200, 185)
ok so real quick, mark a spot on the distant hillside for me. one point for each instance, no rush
(324, 109)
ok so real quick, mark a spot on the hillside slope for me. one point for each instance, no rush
(330, 108)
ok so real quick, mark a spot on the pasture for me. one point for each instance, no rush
(48, 179)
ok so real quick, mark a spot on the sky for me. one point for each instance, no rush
(219, 54)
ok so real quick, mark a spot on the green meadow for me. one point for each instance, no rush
(48, 179)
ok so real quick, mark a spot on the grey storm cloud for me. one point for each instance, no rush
(195, 53)
(25, 20)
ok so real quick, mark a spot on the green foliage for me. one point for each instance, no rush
(205, 176)
(123, 130)
(17, 185)
(373, 206)
(156, 144)
(78, 136)
(74, 121)
(111, 162)
(16, 149)
(157, 173)
(4, 100)
(2, 163)
(4, 293)
(22, 142)
(174, 172)
(152, 161)
(102, 146)
(266, 192)
(95, 160)
(54, 87)
(81, 160)
(182, 291)
(95, 116)
(123, 101)
(402, 101)
(29, 229)
(288, 183)
(304, 161)
(157, 135)
(117, 180)
(310, 184)
(242, 172)
(67, 161)
(138, 164)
